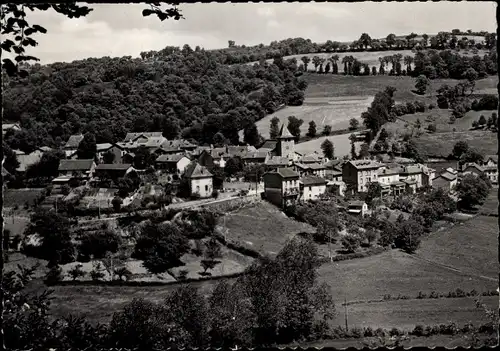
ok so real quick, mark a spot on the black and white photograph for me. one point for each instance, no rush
(239, 175)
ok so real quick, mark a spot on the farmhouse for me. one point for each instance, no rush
(490, 167)
(274, 162)
(312, 187)
(282, 187)
(178, 146)
(200, 180)
(357, 174)
(113, 149)
(446, 180)
(472, 168)
(258, 156)
(172, 164)
(357, 207)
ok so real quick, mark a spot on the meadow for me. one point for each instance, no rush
(341, 143)
(20, 197)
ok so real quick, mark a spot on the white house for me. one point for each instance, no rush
(173, 164)
(200, 180)
(312, 187)
(357, 207)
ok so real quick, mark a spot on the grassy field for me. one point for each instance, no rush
(262, 227)
(394, 272)
(439, 117)
(19, 197)
(16, 224)
(441, 144)
(333, 111)
(491, 204)
(470, 247)
(341, 143)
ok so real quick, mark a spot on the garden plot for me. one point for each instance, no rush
(100, 197)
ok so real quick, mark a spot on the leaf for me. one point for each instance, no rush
(29, 31)
(39, 28)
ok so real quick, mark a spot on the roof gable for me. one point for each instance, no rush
(285, 133)
(195, 170)
(75, 165)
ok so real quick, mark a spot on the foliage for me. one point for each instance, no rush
(251, 135)
(328, 149)
(10, 161)
(353, 124)
(421, 84)
(380, 110)
(87, 148)
(53, 229)
(311, 132)
(351, 242)
(117, 203)
(327, 130)
(460, 148)
(274, 128)
(488, 102)
(96, 274)
(160, 246)
(472, 191)
(76, 272)
(374, 191)
(294, 125)
(99, 243)
(408, 236)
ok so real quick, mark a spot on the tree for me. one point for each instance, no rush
(472, 191)
(374, 191)
(328, 149)
(482, 120)
(327, 130)
(421, 84)
(408, 234)
(97, 272)
(311, 132)
(460, 148)
(53, 229)
(351, 242)
(117, 203)
(143, 158)
(471, 156)
(353, 124)
(76, 272)
(231, 43)
(10, 159)
(364, 150)
(370, 235)
(108, 157)
(305, 60)
(54, 275)
(99, 243)
(365, 40)
(251, 135)
(390, 40)
(123, 273)
(160, 246)
(274, 129)
(87, 148)
(352, 137)
(294, 126)
(233, 166)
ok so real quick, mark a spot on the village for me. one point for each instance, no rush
(283, 175)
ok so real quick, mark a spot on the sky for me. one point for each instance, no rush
(121, 30)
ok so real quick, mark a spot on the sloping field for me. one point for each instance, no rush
(341, 143)
(470, 247)
(490, 206)
(394, 272)
(333, 111)
(441, 144)
(262, 227)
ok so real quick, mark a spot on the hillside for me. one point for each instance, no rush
(189, 93)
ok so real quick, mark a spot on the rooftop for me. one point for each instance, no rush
(195, 170)
(113, 166)
(365, 164)
(74, 141)
(285, 133)
(277, 161)
(169, 158)
(311, 180)
(269, 144)
(75, 165)
(103, 146)
(287, 173)
(133, 136)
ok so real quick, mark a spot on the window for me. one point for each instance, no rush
(310, 188)
(206, 187)
(197, 188)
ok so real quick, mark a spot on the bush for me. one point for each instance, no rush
(379, 332)
(368, 332)
(395, 332)
(432, 106)
(54, 275)
(418, 330)
(410, 108)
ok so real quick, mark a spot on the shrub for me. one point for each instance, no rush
(418, 330)
(182, 274)
(368, 332)
(432, 106)
(54, 275)
(96, 274)
(77, 272)
(394, 332)
(410, 107)
(419, 106)
(357, 332)
(421, 295)
(431, 128)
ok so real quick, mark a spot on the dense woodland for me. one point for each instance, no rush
(190, 93)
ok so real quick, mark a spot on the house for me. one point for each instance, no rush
(134, 136)
(200, 180)
(357, 174)
(205, 159)
(314, 169)
(311, 158)
(258, 156)
(112, 170)
(282, 187)
(472, 168)
(27, 160)
(388, 179)
(333, 170)
(74, 171)
(150, 140)
(446, 180)
(413, 172)
(9, 126)
(72, 144)
(113, 148)
(312, 187)
(357, 207)
(490, 168)
(172, 164)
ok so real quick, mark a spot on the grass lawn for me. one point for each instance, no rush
(262, 227)
(341, 143)
(16, 224)
(394, 272)
(441, 144)
(470, 247)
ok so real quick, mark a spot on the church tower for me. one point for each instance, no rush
(286, 143)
